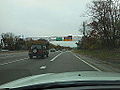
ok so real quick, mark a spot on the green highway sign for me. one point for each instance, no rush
(59, 39)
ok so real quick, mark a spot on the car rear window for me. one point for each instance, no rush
(36, 46)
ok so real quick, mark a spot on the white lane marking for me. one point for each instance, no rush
(55, 57)
(87, 63)
(43, 67)
(14, 61)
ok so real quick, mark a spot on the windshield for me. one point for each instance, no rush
(76, 35)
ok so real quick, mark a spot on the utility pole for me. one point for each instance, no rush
(84, 28)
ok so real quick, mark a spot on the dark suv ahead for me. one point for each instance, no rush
(39, 50)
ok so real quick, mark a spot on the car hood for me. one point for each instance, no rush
(63, 77)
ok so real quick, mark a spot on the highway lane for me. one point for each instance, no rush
(4, 58)
(68, 62)
(57, 62)
(21, 68)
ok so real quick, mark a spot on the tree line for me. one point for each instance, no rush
(10, 41)
(104, 25)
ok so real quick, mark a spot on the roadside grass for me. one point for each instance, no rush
(101, 54)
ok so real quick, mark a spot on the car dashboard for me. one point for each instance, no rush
(76, 85)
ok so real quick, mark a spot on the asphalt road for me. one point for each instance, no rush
(18, 65)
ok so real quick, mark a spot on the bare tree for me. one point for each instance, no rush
(106, 19)
(8, 40)
(12, 42)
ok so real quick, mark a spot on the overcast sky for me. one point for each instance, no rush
(42, 17)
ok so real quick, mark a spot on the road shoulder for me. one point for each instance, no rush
(100, 64)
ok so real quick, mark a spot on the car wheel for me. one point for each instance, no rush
(31, 57)
(42, 56)
(47, 55)
(37, 57)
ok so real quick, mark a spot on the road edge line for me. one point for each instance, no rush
(88, 63)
